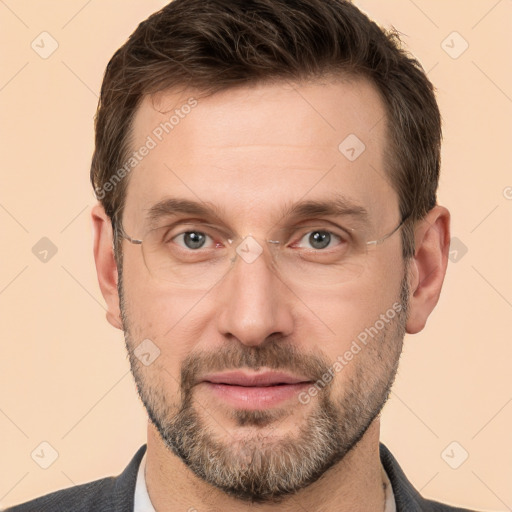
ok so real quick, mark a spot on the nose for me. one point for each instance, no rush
(253, 302)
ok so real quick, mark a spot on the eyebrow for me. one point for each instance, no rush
(336, 206)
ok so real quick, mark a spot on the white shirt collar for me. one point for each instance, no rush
(390, 505)
(143, 503)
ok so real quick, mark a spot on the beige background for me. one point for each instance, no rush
(64, 373)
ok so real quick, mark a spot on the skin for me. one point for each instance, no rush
(251, 150)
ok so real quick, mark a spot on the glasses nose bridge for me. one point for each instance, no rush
(250, 248)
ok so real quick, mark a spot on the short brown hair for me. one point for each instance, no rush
(212, 45)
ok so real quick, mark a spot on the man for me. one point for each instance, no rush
(266, 233)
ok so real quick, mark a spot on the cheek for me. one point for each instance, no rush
(343, 316)
(163, 316)
(154, 315)
(154, 307)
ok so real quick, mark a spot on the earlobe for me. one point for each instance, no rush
(428, 267)
(106, 267)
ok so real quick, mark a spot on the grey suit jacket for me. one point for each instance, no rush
(116, 494)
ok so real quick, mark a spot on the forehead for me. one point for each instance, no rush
(250, 149)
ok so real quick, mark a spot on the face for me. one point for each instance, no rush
(250, 156)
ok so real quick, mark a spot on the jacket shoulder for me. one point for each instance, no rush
(80, 498)
(110, 494)
(407, 498)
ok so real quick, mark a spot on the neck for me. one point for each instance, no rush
(354, 484)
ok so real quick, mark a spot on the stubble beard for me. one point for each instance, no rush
(256, 464)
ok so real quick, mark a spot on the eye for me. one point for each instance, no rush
(193, 240)
(320, 239)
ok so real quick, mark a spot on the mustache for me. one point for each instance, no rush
(276, 355)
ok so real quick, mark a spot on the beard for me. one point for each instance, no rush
(256, 464)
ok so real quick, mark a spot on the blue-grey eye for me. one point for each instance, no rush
(193, 239)
(319, 239)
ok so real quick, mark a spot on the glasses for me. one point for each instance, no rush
(196, 255)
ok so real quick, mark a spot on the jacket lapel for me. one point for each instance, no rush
(123, 488)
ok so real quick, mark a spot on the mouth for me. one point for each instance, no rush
(255, 391)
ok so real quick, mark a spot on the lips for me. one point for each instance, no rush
(264, 379)
(254, 391)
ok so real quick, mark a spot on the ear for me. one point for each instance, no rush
(106, 267)
(427, 267)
